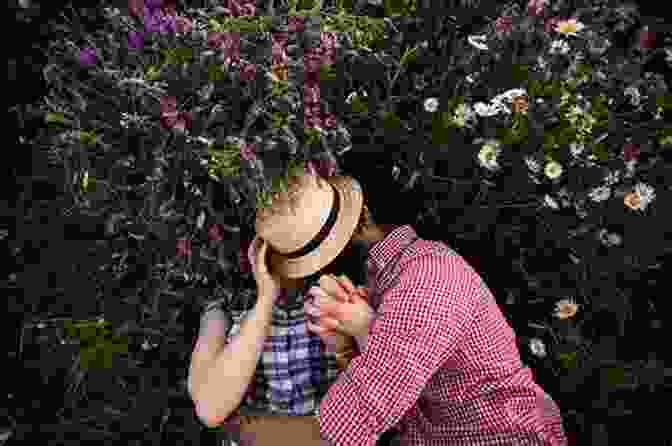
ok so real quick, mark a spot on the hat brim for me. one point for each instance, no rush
(352, 200)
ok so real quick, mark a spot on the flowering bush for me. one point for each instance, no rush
(173, 126)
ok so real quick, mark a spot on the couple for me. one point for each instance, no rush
(436, 362)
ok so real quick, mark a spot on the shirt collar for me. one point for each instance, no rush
(385, 250)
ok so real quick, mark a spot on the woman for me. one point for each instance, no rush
(260, 372)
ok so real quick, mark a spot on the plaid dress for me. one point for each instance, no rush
(294, 370)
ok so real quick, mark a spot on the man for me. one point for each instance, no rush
(438, 360)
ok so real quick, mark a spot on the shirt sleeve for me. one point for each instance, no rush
(421, 321)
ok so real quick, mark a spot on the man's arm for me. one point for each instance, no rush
(421, 322)
(219, 373)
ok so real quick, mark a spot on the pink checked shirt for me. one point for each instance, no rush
(440, 364)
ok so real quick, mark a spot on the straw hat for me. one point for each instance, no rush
(310, 224)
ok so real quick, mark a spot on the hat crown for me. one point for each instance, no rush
(296, 215)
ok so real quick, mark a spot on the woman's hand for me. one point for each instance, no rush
(335, 341)
(268, 286)
(343, 309)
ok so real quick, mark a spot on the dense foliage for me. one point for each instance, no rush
(534, 138)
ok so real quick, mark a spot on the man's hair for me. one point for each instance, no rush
(387, 200)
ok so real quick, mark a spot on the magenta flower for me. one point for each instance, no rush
(631, 152)
(549, 25)
(248, 71)
(136, 7)
(159, 21)
(244, 261)
(329, 121)
(536, 7)
(183, 25)
(280, 38)
(647, 39)
(154, 4)
(311, 93)
(88, 56)
(247, 152)
(215, 233)
(296, 24)
(242, 8)
(278, 53)
(136, 39)
(228, 42)
(504, 24)
(171, 118)
(183, 247)
(323, 167)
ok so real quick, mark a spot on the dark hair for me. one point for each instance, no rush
(386, 198)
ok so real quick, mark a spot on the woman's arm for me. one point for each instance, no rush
(220, 372)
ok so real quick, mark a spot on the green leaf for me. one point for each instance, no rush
(568, 360)
(327, 72)
(216, 72)
(302, 5)
(409, 55)
(56, 118)
(153, 72)
(394, 7)
(392, 121)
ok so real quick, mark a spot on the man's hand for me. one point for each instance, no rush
(341, 308)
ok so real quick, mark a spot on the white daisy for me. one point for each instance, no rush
(559, 47)
(463, 114)
(633, 94)
(532, 164)
(488, 154)
(646, 194)
(630, 168)
(538, 347)
(609, 238)
(600, 193)
(576, 149)
(509, 95)
(550, 202)
(478, 42)
(485, 110)
(553, 170)
(612, 177)
(431, 105)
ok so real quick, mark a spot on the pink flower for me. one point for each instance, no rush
(183, 25)
(248, 71)
(280, 38)
(171, 118)
(228, 42)
(278, 53)
(323, 167)
(247, 152)
(504, 24)
(647, 39)
(215, 233)
(549, 25)
(536, 7)
(136, 7)
(311, 94)
(245, 257)
(183, 247)
(329, 121)
(242, 8)
(296, 24)
(631, 152)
